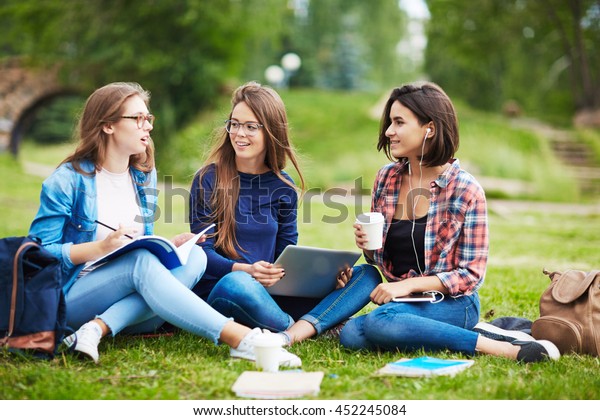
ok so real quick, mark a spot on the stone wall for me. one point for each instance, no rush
(20, 89)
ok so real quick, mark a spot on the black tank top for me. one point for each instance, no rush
(399, 246)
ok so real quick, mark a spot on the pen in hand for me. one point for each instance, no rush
(111, 228)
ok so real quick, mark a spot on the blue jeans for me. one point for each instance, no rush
(138, 292)
(240, 296)
(413, 326)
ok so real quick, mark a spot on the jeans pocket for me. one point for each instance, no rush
(471, 311)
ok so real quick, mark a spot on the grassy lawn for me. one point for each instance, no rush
(187, 367)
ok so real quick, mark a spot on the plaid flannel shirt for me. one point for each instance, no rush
(456, 235)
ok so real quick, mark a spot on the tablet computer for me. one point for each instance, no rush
(311, 272)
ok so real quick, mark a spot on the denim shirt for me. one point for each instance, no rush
(68, 210)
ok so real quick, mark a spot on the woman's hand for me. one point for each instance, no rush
(90, 251)
(116, 239)
(264, 272)
(184, 237)
(344, 277)
(360, 238)
(385, 292)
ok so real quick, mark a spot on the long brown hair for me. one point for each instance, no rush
(270, 111)
(104, 106)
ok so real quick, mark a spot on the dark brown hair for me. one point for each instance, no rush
(104, 106)
(429, 103)
(270, 111)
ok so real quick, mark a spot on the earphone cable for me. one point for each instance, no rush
(414, 207)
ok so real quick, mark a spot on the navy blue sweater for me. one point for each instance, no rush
(266, 222)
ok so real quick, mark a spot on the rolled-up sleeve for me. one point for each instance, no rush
(470, 253)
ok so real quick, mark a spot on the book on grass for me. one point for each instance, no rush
(425, 366)
(170, 255)
(276, 385)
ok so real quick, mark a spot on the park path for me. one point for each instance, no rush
(574, 155)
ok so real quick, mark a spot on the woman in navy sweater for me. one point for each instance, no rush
(245, 191)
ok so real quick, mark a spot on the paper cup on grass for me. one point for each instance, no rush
(267, 349)
(372, 225)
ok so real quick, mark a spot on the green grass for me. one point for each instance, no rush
(188, 367)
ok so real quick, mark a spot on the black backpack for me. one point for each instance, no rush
(32, 303)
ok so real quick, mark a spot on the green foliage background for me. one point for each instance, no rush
(542, 54)
(192, 53)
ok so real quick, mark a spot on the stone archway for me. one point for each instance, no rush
(23, 90)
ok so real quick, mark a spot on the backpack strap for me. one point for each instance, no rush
(13, 299)
(572, 284)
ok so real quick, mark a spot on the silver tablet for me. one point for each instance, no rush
(311, 272)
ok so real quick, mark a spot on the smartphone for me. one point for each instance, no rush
(416, 297)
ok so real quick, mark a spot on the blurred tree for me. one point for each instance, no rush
(346, 44)
(539, 53)
(183, 51)
(188, 52)
(576, 24)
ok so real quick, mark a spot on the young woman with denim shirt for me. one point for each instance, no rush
(111, 178)
(435, 238)
(245, 191)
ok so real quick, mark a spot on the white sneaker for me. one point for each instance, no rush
(245, 350)
(85, 340)
(283, 336)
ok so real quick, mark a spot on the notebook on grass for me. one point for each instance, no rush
(311, 272)
(425, 366)
(285, 384)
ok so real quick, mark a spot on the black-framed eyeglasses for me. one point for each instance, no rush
(140, 118)
(250, 128)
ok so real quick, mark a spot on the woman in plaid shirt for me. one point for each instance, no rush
(435, 238)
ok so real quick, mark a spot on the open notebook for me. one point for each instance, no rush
(166, 251)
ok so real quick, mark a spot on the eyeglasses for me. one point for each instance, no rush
(140, 118)
(250, 128)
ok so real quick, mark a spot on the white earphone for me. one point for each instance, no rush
(412, 232)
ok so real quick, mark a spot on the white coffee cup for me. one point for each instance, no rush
(372, 225)
(267, 349)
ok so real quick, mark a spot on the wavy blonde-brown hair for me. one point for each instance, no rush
(105, 105)
(270, 111)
